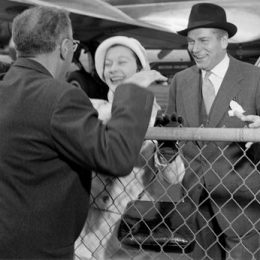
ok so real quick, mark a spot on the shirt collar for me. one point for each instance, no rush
(220, 69)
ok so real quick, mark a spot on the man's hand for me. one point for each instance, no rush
(173, 173)
(253, 121)
(168, 160)
(168, 148)
(146, 78)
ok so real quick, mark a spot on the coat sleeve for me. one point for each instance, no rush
(111, 148)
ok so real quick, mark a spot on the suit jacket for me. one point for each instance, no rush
(233, 181)
(51, 140)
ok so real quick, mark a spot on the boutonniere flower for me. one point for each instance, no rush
(235, 108)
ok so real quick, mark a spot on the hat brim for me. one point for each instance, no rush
(229, 27)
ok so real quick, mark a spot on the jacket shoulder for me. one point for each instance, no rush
(187, 72)
(245, 67)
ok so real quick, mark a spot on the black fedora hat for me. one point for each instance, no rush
(206, 15)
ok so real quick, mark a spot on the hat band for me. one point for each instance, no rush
(203, 23)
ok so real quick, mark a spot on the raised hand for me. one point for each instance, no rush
(168, 148)
(146, 78)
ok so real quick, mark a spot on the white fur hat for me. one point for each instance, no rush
(131, 43)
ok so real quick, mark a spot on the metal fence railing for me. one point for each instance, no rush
(184, 209)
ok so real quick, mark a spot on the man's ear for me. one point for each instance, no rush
(224, 41)
(64, 49)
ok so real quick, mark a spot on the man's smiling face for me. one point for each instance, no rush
(207, 46)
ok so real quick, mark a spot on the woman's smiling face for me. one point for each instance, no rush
(120, 64)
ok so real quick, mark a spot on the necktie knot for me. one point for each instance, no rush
(207, 75)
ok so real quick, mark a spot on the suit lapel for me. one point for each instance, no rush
(228, 90)
(190, 96)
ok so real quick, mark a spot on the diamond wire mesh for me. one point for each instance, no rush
(157, 232)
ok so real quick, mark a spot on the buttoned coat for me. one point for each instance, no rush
(222, 168)
(51, 140)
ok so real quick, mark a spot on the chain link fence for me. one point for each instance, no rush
(180, 205)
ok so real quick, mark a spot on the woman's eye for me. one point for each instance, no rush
(107, 64)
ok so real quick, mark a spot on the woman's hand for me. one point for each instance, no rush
(146, 154)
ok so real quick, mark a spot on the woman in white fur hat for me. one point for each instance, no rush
(116, 59)
(119, 56)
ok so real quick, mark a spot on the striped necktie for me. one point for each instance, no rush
(208, 92)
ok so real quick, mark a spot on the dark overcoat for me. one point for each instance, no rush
(50, 141)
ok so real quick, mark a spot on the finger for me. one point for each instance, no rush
(157, 75)
(82, 52)
(148, 145)
(254, 125)
(173, 117)
(250, 118)
(145, 78)
(180, 120)
(160, 78)
(254, 119)
(248, 145)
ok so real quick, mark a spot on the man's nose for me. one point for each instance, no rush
(196, 47)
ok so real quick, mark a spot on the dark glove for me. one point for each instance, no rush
(168, 148)
(168, 121)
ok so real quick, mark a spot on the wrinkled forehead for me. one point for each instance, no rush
(201, 32)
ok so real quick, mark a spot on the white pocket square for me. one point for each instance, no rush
(235, 107)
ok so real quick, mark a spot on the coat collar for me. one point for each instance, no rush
(31, 64)
(228, 90)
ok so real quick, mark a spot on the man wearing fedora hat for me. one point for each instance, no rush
(221, 177)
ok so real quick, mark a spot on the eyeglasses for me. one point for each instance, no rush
(75, 45)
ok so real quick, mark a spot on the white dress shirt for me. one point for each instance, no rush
(218, 73)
